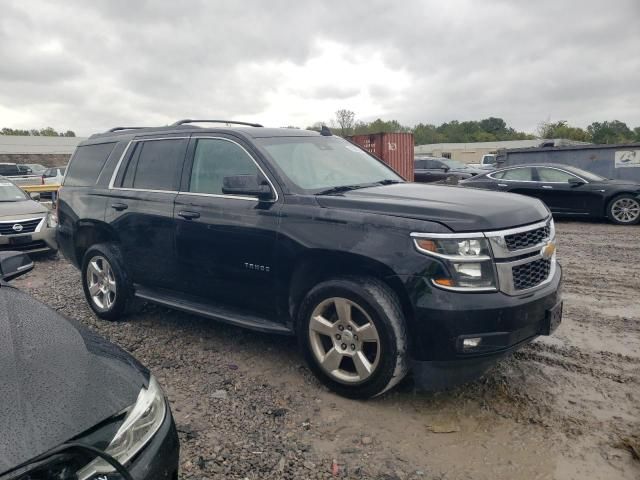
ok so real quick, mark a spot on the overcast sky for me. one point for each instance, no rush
(88, 66)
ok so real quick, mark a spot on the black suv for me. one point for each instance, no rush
(303, 233)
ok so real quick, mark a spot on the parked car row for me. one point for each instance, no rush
(284, 231)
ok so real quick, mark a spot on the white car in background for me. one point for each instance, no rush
(53, 175)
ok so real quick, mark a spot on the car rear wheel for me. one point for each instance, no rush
(106, 285)
(624, 210)
(353, 335)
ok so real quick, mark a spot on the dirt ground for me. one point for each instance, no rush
(565, 407)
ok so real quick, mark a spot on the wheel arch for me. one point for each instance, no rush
(91, 232)
(320, 265)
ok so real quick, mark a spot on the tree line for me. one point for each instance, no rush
(486, 130)
(43, 132)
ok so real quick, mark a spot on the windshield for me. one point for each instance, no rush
(453, 163)
(10, 193)
(315, 164)
(589, 176)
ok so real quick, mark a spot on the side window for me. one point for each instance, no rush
(154, 165)
(215, 159)
(429, 164)
(87, 163)
(420, 164)
(553, 175)
(516, 174)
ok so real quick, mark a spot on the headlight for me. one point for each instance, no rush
(467, 258)
(52, 219)
(141, 422)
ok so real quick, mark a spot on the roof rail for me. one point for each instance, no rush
(188, 120)
(117, 129)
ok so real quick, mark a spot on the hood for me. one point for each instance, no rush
(10, 209)
(460, 209)
(57, 379)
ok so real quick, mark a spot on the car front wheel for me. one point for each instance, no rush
(353, 335)
(624, 210)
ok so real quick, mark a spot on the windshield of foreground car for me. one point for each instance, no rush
(319, 164)
(10, 193)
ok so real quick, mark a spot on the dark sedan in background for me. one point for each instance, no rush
(440, 169)
(567, 190)
(74, 406)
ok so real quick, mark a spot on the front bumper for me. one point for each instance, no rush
(43, 239)
(443, 319)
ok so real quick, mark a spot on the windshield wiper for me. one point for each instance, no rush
(388, 181)
(344, 188)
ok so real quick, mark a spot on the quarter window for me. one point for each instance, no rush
(553, 175)
(155, 165)
(215, 159)
(515, 174)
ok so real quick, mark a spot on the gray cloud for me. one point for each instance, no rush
(90, 65)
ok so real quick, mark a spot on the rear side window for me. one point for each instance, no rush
(86, 165)
(154, 165)
(516, 174)
(9, 169)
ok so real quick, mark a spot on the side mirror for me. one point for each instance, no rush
(14, 264)
(445, 169)
(35, 196)
(575, 182)
(250, 185)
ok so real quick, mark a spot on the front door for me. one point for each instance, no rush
(140, 208)
(225, 243)
(562, 196)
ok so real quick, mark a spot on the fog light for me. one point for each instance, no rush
(470, 343)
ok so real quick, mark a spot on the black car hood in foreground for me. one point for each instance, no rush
(460, 209)
(57, 379)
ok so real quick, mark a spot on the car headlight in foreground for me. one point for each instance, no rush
(52, 220)
(467, 258)
(142, 421)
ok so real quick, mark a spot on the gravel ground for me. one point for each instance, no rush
(246, 407)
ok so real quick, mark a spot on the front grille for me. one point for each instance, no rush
(531, 274)
(28, 226)
(24, 247)
(518, 241)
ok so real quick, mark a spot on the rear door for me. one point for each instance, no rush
(140, 207)
(516, 180)
(225, 243)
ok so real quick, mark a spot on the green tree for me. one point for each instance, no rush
(345, 119)
(561, 129)
(613, 131)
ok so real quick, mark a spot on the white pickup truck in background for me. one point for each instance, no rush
(13, 173)
(488, 162)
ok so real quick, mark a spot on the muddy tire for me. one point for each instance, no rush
(105, 282)
(624, 210)
(353, 336)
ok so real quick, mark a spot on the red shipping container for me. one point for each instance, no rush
(394, 149)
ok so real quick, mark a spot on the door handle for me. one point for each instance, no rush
(547, 186)
(119, 206)
(503, 185)
(188, 215)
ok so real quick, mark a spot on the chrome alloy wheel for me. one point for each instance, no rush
(344, 340)
(625, 210)
(101, 283)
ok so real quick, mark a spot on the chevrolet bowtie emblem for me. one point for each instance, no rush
(548, 250)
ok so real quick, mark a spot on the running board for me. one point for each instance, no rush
(227, 315)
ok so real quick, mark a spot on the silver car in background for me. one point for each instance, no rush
(25, 224)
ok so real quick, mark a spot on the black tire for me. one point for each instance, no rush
(375, 299)
(123, 297)
(631, 200)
